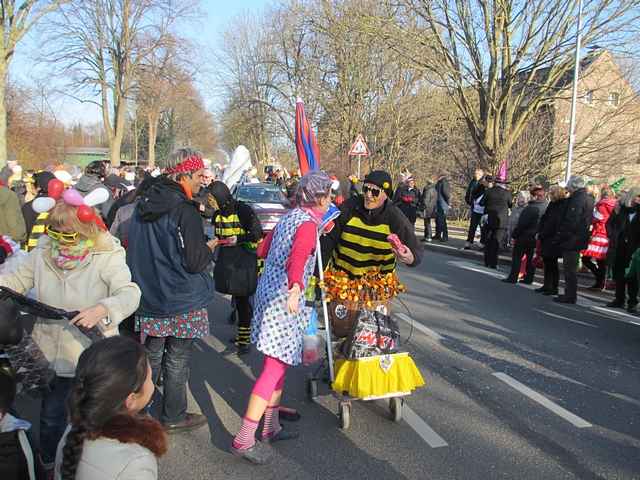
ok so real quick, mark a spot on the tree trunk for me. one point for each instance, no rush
(153, 135)
(118, 130)
(3, 114)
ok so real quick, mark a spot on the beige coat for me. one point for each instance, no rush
(108, 459)
(104, 280)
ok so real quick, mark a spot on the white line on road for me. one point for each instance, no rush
(554, 315)
(418, 326)
(486, 271)
(542, 400)
(421, 428)
(611, 311)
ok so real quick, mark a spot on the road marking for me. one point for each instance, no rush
(419, 426)
(418, 326)
(619, 313)
(565, 318)
(542, 400)
(486, 271)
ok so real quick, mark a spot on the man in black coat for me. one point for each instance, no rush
(443, 204)
(428, 201)
(573, 235)
(497, 201)
(475, 190)
(624, 232)
(524, 236)
(406, 198)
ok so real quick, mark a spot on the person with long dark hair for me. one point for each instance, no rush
(108, 436)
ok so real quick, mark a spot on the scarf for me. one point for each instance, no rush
(69, 257)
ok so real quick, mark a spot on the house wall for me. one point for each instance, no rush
(607, 136)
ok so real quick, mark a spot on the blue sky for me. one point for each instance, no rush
(217, 15)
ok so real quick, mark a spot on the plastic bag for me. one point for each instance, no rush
(311, 348)
(311, 342)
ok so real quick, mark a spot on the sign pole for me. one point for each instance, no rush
(359, 149)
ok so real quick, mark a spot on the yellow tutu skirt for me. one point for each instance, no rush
(379, 376)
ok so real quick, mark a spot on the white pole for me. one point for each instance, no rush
(574, 96)
(325, 312)
(359, 158)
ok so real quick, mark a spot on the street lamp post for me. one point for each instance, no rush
(574, 96)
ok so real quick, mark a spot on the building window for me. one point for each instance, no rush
(614, 99)
(588, 97)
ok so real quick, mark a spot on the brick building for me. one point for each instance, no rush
(607, 122)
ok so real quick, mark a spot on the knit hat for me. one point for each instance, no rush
(42, 180)
(381, 179)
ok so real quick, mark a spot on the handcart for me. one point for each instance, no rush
(344, 373)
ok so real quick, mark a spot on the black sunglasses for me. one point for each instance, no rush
(373, 191)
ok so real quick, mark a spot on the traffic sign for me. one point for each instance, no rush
(359, 147)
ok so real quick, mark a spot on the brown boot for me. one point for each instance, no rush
(191, 422)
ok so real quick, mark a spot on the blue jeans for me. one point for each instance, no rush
(172, 356)
(53, 417)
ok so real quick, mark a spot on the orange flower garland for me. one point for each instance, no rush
(372, 288)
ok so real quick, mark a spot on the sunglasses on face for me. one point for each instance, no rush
(62, 237)
(373, 191)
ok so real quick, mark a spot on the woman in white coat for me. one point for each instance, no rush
(108, 438)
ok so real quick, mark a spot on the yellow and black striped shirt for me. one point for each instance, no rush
(363, 247)
(37, 231)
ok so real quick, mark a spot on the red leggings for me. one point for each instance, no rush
(271, 379)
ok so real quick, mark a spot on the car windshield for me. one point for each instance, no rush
(260, 194)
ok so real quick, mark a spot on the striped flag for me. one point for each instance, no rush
(306, 143)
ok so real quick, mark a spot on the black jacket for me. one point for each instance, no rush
(443, 189)
(470, 195)
(573, 229)
(548, 227)
(167, 253)
(229, 205)
(388, 214)
(497, 201)
(527, 227)
(429, 200)
(407, 199)
(624, 233)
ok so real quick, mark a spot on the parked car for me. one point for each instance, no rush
(267, 200)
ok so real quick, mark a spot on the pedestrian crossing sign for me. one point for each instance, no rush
(359, 147)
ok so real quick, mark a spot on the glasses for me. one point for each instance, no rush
(373, 191)
(62, 237)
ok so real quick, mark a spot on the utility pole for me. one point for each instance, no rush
(574, 96)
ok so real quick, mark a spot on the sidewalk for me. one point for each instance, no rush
(458, 239)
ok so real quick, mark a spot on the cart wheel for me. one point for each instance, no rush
(312, 389)
(344, 414)
(395, 407)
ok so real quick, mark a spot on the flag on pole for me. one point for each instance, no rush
(306, 143)
(503, 171)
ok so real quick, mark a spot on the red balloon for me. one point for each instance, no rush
(86, 214)
(55, 188)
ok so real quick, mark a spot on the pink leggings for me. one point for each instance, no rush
(271, 379)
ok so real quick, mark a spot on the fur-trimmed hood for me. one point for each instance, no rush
(141, 429)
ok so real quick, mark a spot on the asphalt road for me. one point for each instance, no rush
(518, 388)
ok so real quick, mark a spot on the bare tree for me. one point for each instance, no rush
(161, 80)
(501, 61)
(18, 17)
(98, 45)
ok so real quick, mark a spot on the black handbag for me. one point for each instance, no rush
(236, 271)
